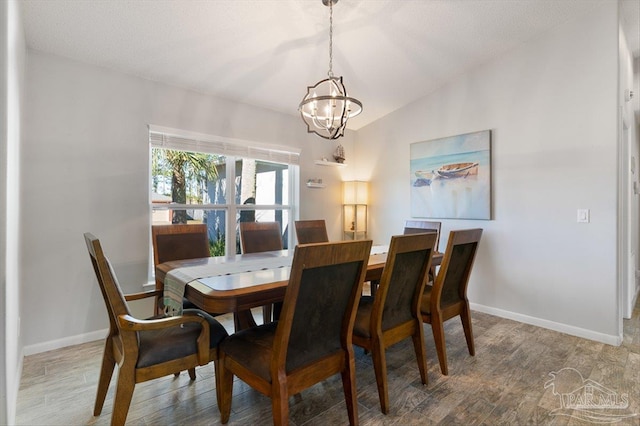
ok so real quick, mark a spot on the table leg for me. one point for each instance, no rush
(243, 319)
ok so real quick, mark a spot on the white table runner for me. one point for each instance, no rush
(176, 279)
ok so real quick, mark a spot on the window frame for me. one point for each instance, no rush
(233, 150)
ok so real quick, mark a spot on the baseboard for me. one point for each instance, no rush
(555, 326)
(67, 341)
(551, 325)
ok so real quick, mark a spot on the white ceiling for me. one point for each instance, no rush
(266, 52)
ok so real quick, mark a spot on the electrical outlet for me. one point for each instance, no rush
(583, 215)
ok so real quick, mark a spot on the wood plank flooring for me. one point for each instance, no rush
(503, 384)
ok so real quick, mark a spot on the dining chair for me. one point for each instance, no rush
(257, 237)
(147, 349)
(420, 226)
(312, 340)
(447, 298)
(178, 242)
(394, 313)
(311, 231)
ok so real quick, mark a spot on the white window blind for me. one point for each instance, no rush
(163, 137)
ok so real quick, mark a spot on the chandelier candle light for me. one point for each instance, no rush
(326, 107)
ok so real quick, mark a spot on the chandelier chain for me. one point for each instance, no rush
(330, 73)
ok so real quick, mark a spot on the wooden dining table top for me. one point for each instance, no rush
(240, 291)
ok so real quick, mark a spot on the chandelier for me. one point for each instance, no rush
(326, 107)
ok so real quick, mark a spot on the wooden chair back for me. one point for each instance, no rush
(450, 287)
(109, 286)
(256, 237)
(421, 226)
(403, 280)
(312, 339)
(319, 306)
(311, 231)
(178, 242)
(448, 296)
(394, 313)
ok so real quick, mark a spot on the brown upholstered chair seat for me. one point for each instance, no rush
(363, 317)
(252, 348)
(425, 303)
(157, 346)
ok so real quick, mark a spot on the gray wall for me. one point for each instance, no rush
(86, 157)
(552, 107)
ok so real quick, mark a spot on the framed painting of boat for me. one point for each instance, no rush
(451, 177)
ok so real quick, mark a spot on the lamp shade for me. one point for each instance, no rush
(355, 192)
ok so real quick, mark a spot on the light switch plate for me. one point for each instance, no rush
(583, 215)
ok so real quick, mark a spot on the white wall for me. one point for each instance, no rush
(12, 66)
(85, 168)
(551, 105)
(629, 171)
(4, 347)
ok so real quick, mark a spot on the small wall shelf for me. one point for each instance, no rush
(329, 163)
(315, 185)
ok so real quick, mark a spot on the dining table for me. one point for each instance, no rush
(237, 283)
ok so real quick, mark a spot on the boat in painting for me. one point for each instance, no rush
(448, 171)
(457, 170)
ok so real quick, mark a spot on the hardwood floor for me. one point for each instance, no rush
(503, 384)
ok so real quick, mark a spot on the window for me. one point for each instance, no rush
(206, 179)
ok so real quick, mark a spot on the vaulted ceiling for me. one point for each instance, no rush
(266, 52)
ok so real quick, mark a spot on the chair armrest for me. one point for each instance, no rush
(129, 323)
(143, 295)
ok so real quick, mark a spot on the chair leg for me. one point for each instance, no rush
(218, 379)
(192, 373)
(465, 316)
(280, 403)
(421, 352)
(438, 336)
(380, 368)
(373, 286)
(106, 372)
(224, 389)
(349, 386)
(277, 310)
(124, 392)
